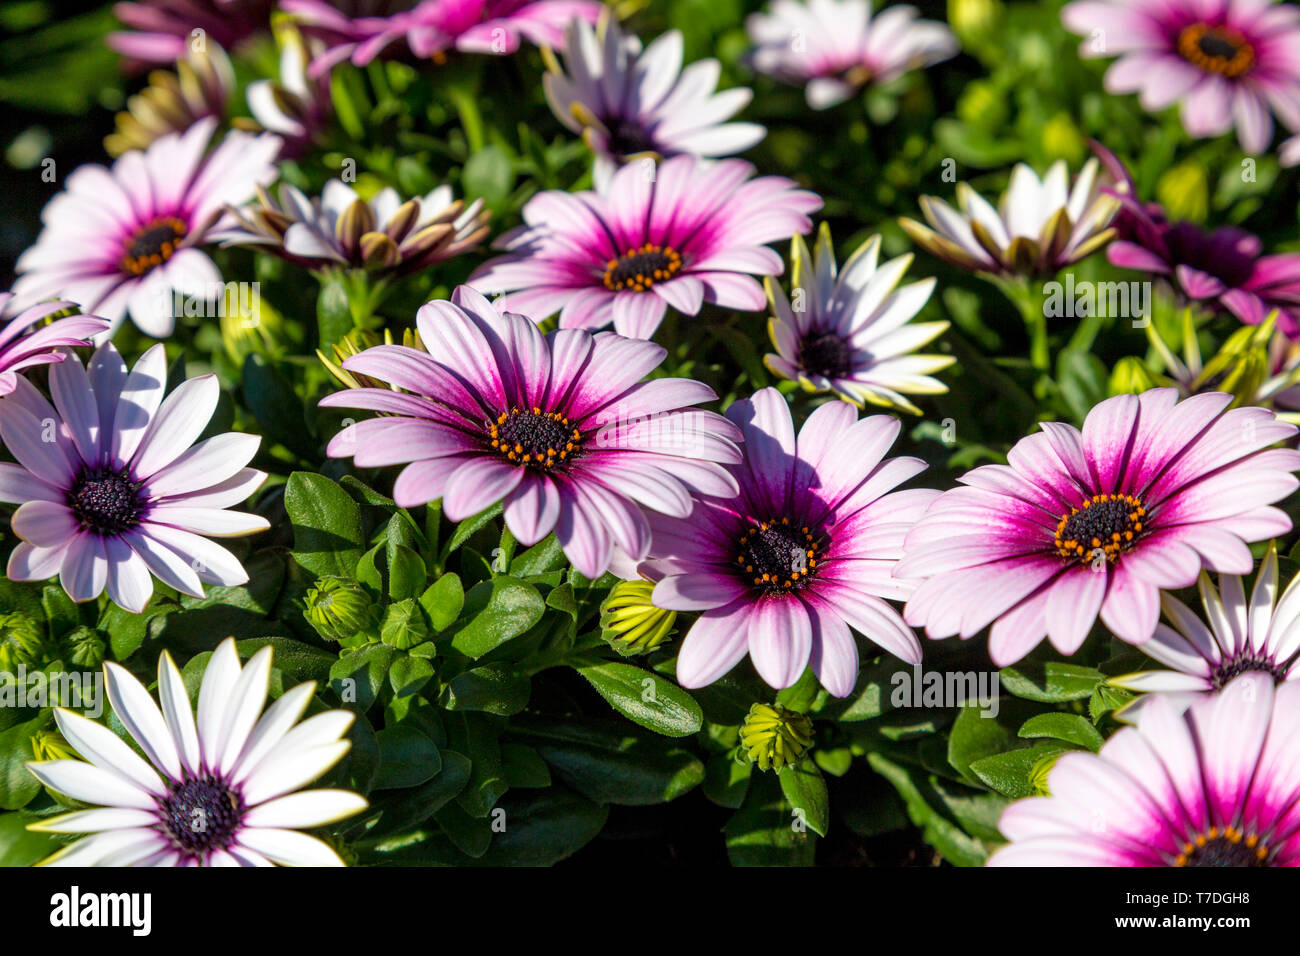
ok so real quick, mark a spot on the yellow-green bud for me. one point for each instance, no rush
(630, 623)
(21, 642)
(975, 21)
(982, 105)
(1039, 773)
(339, 610)
(249, 325)
(774, 736)
(1242, 364)
(1062, 140)
(50, 745)
(1131, 377)
(1184, 192)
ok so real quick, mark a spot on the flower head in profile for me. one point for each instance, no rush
(1214, 785)
(1039, 226)
(220, 788)
(1096, 523)
(847, 330)
(1222, 269)
(627, 102)
(678, 235)
(559, 427)
(1237, 635)
(173, 102)
(112, 491)
(162, 31)
(342, 230)
(294, 106)
(125, 239)
(803, 556)
(1229, 63)
(834, 48)
(431, 29)
(27, 340)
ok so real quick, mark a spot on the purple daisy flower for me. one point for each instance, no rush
(109, 488)
(22, 346)
(1216, 785)
(432, 28)
(691, 233)
(1078, 524)
(627, 102)
(125, 239)
(560, 427)
(1222, 269)
(219, 789)
(834, 48)
(162, 30)
(805, 552)
(1229, 62)
(1237, 635)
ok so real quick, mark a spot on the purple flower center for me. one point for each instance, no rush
(1244, 662)
(1229, 847)
(776, 556)
(639, 269)
(1221, 49)
(628, 138)
(534, 438)
(202, 815)
(105, 501)
(825, 353)
(1105, 525)
(153, 244)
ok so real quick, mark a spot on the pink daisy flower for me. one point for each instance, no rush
(433, 28)
(1228, 62)
(1236, 636)
(1216, 785)
(688, 234)
(109, 488)
(1082, 524)
(627, 102)
(834, 48)
(806, 551)
(162, 31)
(123, 240)
(560, 427)
(24, 342)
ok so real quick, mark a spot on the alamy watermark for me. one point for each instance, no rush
(922, 688)
(74, 690)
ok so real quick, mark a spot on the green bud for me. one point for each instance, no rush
(975, 21)
(982, 105)
(339, 610)
(1184, 192)
(774, 736)
(85, 648)
(50, 745)
(1131, 377)
(630, 623)
(1062, 140)
(21, 643)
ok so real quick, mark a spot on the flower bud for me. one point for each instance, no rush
(774, 736)
(630, 623)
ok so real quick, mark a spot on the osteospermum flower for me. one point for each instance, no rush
(109, 488)
(1215, 785)
(433, 28)
(1038, 228)
(173, 102)
(340, 229)
(125, 239)
(1077, 525)
(803, 554)
(294, 106)
(834, 48)
(1236, 636)
(692, 233)
(164, 30)
(847, 330)
(219, 790)
(1228, 62)
(627, 102)
(1223, 269)
(559, 427)
(24, 342)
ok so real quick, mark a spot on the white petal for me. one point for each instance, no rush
(142, 719)
(311, 808)
(290, 848)
(105, 749)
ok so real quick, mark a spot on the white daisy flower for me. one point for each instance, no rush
(848, 330)
(220, 791)
(1236, 636)
(1039, 227)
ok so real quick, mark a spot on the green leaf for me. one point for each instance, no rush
(333, 313)
(465, 530)
(1068, 727)
(1012, 773)
(271, 399)
(646, 698)
(765, 831)
(1050, 682)
(524, 766)
(18, 845)
(726, 779)
(403, 625)
(487, 175)
(406, 574)
(409, 674)
(492, 688)
(496, 611)
(805, 790)
(326, 525)
(923, 809)
(478, 737)
(407, 758)
(443, 601)
(358, 675)
(542, 558)
(17, 785)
